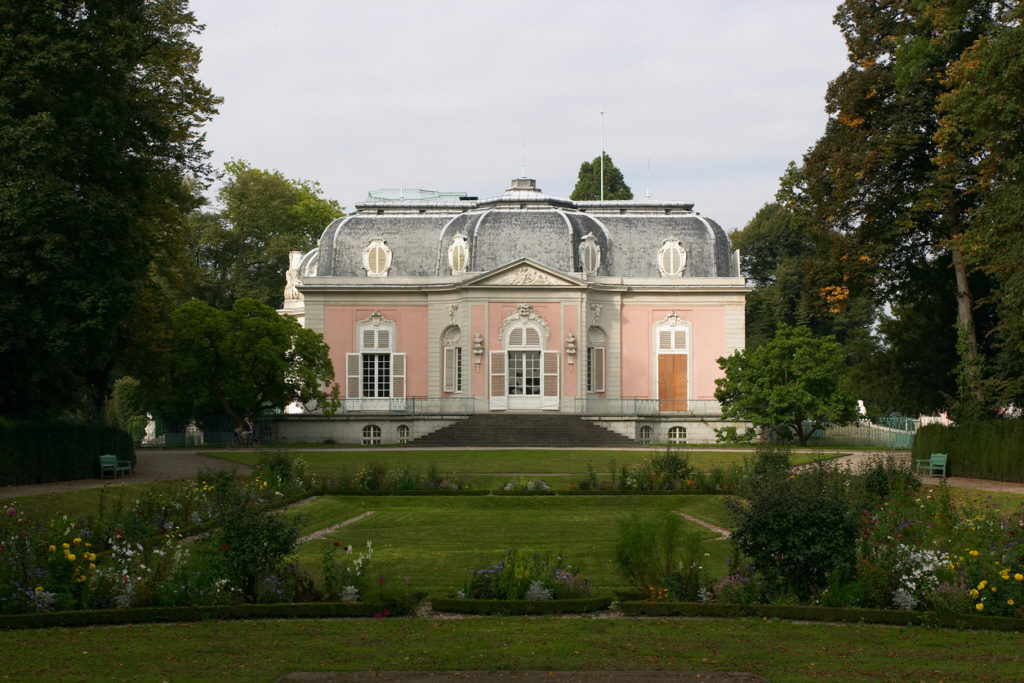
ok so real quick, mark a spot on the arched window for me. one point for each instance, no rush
(671, 258)
(595, 359)
(371, 435)
(645, 434)
(458, 255)
(677, 434)
(590, 254)
(403, 433)
(451, 343)
(377, 258)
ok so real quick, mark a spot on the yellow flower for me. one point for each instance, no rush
(981, 586)
(52, 548)
(65, 546)
(973, 553)
(77, 539)
(92, 566)
(1018, 577)
(71, 557)
(39, 589)
(995, 589)
(1010, 602)
(974, 593)
(980, 606)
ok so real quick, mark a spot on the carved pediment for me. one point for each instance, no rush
(525, 274)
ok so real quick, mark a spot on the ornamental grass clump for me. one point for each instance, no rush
(660, 560)
(526, 577)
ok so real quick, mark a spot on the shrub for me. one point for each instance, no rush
(797, 528)
(986, 449)
(42, 451)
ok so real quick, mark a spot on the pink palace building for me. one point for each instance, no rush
(438, 306)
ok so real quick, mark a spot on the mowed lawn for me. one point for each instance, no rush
(437, 541)
(485, 464)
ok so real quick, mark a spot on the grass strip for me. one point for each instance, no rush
(520, 607)
(267, 649)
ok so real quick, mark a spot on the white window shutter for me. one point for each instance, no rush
(398, 375)
(449, 369)
(597, 372)
(532, 337)
(352, 379)
(498, 390)
(550, 399)
(384, 339)
(369, 339)
(665, 340)
(515, 337)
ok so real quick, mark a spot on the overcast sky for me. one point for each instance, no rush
(714, 96)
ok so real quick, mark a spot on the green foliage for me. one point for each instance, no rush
(659, 559)
(989, 449)
(527, 577)
(242, 249)
(40, 451)
(239, 362)
(100, 119)
(588, 185)
(793, 379)
(797, 528)
(983, 145)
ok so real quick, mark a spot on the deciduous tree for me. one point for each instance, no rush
(790, 386)
(241, 250)
(100, 113)
(238, 362)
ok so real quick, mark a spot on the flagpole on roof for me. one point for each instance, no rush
(602, 156)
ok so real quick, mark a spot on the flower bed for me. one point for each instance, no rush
(517, 607)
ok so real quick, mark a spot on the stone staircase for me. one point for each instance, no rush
(526, 430)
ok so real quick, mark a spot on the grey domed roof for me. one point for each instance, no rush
(521, 223)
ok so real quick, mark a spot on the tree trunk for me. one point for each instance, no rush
(965, 319)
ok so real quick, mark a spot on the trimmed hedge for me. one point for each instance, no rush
(35, 452)
(517, 607)
(144, 615)
(990, 449)
(815, 613)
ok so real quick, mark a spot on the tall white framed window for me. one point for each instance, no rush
(451, 343)
(596, 360)
(523, 375)
(375, 374)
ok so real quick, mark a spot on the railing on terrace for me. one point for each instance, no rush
(897, 432)
(424, 406)
(645, 407)
(207, 431)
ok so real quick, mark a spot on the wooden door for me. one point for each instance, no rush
(672, 382)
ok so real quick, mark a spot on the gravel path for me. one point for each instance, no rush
(167, 465)
(150, 465)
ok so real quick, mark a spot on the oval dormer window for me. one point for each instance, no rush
(377, 258)
(590, 254)
(458, 255)
(671, 258)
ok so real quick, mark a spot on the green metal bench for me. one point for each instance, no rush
(934, 465)
(111, 465)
